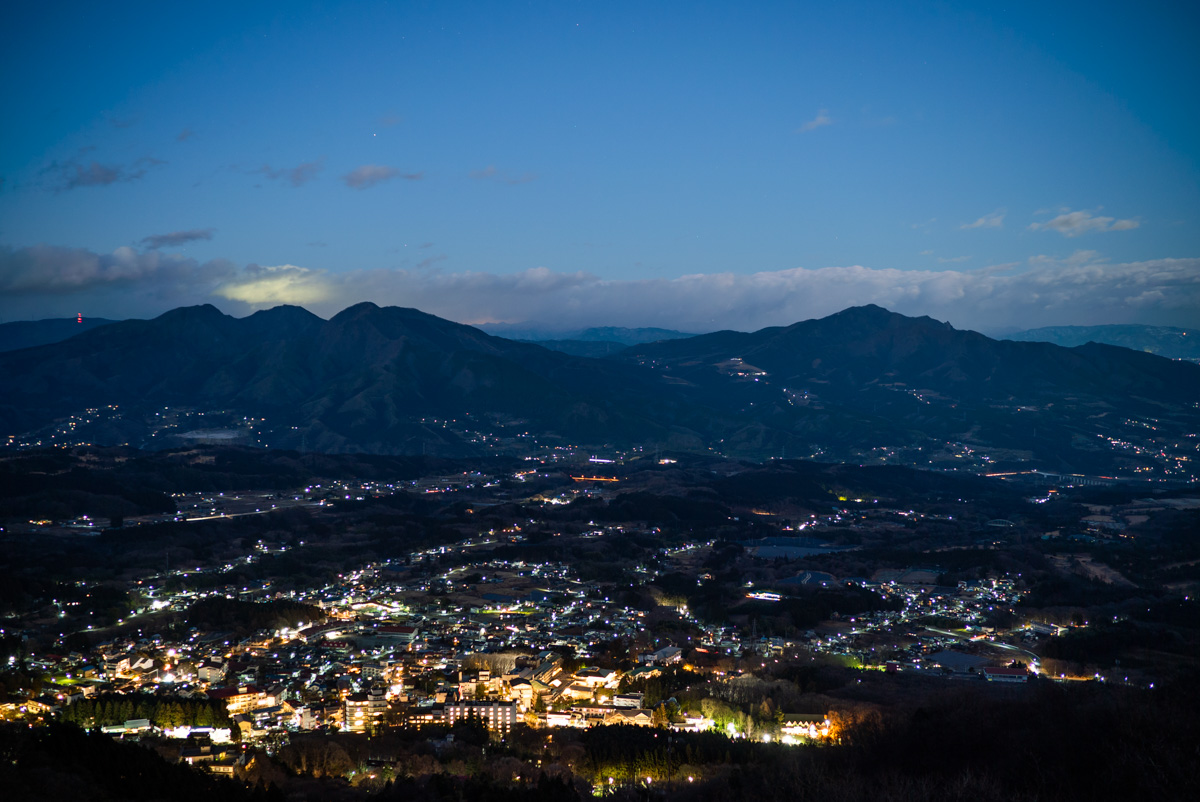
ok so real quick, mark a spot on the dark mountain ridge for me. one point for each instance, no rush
(360, 381)
(396, 381)
(604, 341)
(867, 375)
(863, 346)
(615, 334)
(30, 333)
(1168, 341)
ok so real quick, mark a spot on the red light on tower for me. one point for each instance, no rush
(80, 319)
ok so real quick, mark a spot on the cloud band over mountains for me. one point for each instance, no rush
(47, 281)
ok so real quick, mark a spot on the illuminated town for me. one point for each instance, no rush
(226, 672)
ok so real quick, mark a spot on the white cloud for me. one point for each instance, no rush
(48, 281)
(368, 175)
(1077, 290)
(993, 220)
(821, 119)
(297, 176)
(56, 282)
(76, 175)
(1073, 224)
(176, 238)
(262, 287)
(1074, 260)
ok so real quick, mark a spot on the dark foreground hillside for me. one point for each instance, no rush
(1044, 742)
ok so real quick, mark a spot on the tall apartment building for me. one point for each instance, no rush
(498, 716)
(364, 711)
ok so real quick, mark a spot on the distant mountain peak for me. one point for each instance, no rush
(873, 309)
(358, 310)
(199, 311)
(871, 317)
(874, 312)
(285, 310)
(869, 314)
(369, 310)
(279, 322)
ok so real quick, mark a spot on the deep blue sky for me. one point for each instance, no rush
(693, 165)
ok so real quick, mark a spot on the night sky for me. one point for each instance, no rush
(564, 164)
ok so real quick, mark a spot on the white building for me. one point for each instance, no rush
(498, 716)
